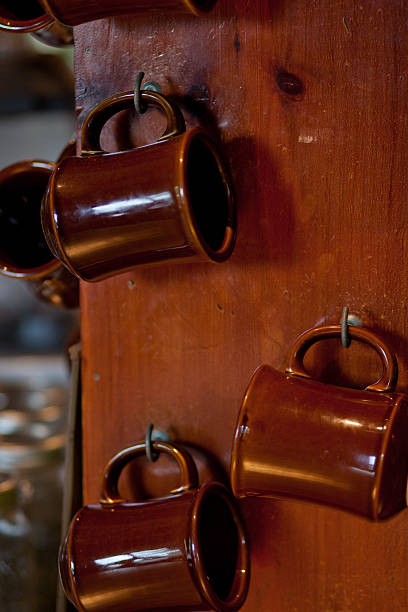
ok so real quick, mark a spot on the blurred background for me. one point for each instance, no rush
(36, 122)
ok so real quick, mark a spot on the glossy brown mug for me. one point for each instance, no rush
(105, 213)
(74, 12)
(30, 16)
(300, 438)
(24, 253)
(185, 551)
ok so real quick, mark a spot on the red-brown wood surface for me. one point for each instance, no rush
(310, 101)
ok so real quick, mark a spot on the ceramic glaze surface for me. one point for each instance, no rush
(171, 200)
(149, 541)
(55, 34)
(304, 439)
(74, 12)
(186, 551)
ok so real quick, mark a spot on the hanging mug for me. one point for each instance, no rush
(185, 551)
(74, 12)
(24, 253)
(300, 438)
(105, 213)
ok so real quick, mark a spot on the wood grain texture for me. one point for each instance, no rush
(319, 172)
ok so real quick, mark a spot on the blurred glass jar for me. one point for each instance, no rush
(32, 437)
(17, 563)
(38, 425)
(38, 467)
(31, 396)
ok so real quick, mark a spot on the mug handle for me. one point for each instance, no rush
(386, 382)
(98, 116)
(112, 471)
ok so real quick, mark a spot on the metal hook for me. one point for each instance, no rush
(150, 86)
(152, 435)
(346, 320)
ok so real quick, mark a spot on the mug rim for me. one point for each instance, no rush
(376, 512)
(190, 224)
(67, 578)
(240, 584)
(25, 25)
(50, 266)
(235, 452)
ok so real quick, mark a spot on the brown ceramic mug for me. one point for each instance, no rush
(186, 551)
(24, 253)
(30, 16)
(74, 12)
(300, 438)
(105, 213)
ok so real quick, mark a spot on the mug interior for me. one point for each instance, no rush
(209, 194)
(24, 10)
(218, 540)
(22, 242)
(203, 3)
(200, 5)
